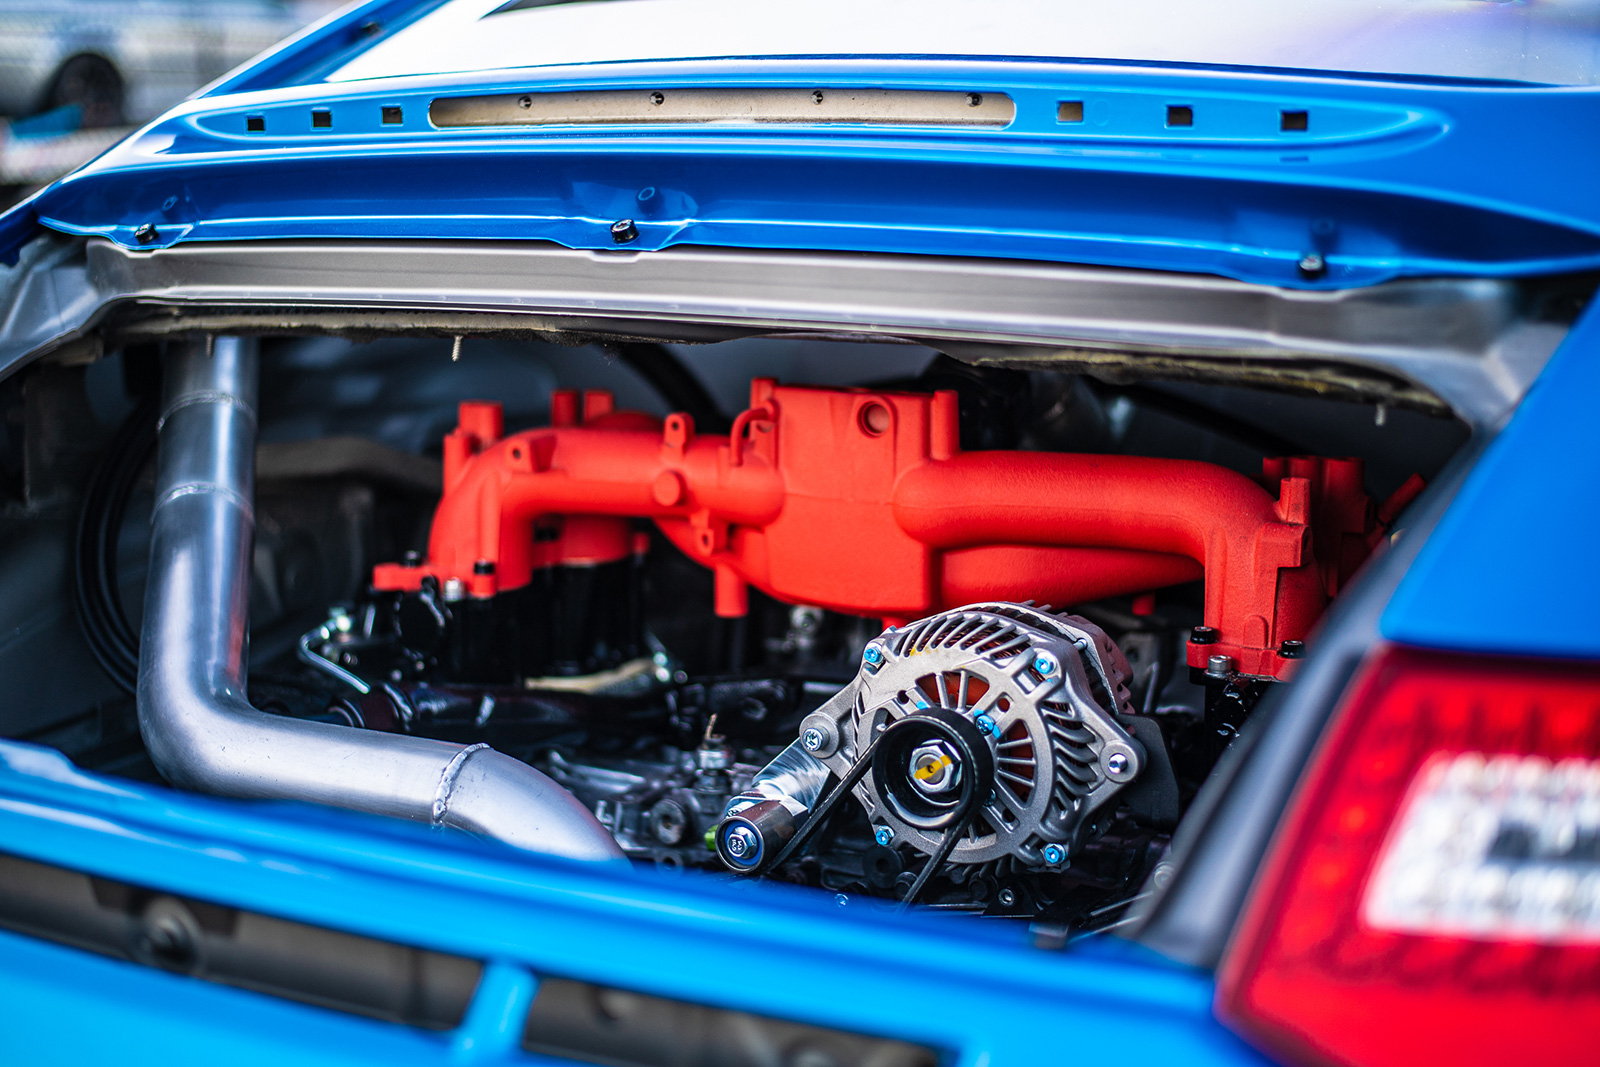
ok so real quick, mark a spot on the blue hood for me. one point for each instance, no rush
(1294, 179)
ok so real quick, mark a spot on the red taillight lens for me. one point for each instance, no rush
(1434, 893)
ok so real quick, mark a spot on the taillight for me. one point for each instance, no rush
(1434, 893)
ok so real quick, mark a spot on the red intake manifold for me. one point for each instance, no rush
(863, 502)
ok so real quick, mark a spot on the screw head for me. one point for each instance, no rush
(1219, 666)
(1118, 763)
(657, 99)
(811, 740)
(1312, 265)
(987, 725)
(741, 843)
(872, 655)
(623, 231)
(146, 234)
(411, 559)
(524, 102)
(1007, 898)
(1054, 854)
(883, 835)
(974, 99)
(841, 900)
(1045, 664)
(1292, 649)
(1203, 635)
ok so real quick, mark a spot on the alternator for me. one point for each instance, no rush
(994, 722)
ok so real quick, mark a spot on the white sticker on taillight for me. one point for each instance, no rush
(1496, 848)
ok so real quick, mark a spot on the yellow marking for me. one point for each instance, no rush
(933, 768)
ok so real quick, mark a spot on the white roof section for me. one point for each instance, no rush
(1547, 41)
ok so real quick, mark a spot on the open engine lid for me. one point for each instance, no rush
(1164, 142)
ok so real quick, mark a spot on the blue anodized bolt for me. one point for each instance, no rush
(884, 835)
(1045, 664)
(1054, 854)
(873, 655)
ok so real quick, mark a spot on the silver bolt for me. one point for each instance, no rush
(1312, 264)
(884, 835)
(812, 739)
(741, 841)
(1007, 898)
(1219, 666)
(1045, 664)
(1161, 877)
(1118, 763)
(1054, 854)
(454, 589)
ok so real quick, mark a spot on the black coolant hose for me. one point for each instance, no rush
(96, 595)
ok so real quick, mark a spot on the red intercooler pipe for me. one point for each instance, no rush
(863, 502)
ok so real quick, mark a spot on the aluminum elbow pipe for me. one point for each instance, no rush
(197, 722)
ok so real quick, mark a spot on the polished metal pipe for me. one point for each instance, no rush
(198, 724)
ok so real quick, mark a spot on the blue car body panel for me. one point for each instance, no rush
(1391, 177)
(979, 992)
(1394, 178)
(1513, 567)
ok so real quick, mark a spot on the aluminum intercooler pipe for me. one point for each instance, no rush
(199, 726)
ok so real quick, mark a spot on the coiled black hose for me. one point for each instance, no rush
(96, 595)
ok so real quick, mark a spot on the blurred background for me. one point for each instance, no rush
(76, 76)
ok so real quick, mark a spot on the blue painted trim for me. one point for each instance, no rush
(972, 987)
(1514, 567)
(1391, 179)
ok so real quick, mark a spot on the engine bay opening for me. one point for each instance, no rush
(858, 617)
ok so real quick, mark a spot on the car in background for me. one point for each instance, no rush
(124, 63)
(886, 534)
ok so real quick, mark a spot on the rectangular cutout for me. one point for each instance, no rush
(1294, 121)
(321, 118)
(1180, 115)
(255, 124)
(730, 106)
(576, 1020)
(284, 958)
(1069, 111)
(393, 116)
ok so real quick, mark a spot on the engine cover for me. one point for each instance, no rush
(1004, 707)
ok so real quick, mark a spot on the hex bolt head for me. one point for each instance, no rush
(624, 231)
(872, 655)
(811, 740)
(1045, 664)
(1054, 854)
(146, 234)
(883, 835)
(742, 844)
(1118, 763)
